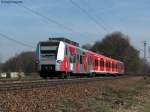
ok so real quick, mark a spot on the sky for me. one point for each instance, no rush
(83, 21)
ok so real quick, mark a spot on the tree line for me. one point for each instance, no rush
(24, 62)
(115, 45)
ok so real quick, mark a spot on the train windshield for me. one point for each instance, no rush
(49, 49)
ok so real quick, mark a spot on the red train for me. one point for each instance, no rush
(65, 57)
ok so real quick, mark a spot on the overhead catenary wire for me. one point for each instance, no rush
(88, 15)
(15, 41)
(98, 17)
(50, 19)
(41, 15)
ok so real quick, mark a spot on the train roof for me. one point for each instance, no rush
(64, 40)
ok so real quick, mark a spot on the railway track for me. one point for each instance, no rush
(27, 85)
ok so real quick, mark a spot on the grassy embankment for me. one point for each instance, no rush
(134, 98)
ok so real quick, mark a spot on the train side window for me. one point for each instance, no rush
(66, 51)
(107, 65)
(112, 66)
(102, 63)
(96, 62)
(80, 59)
(71, 60)
(93, 63)
(88, 58)
(116, 67)
(74, 59)
(119, 67)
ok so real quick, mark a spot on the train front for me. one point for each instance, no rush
(48, 58)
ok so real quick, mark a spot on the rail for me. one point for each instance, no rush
(27, 85)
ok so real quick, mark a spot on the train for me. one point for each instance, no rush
(63, 57)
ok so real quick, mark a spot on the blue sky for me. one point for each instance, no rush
(130, 17)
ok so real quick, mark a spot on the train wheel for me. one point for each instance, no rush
(43, 75)
(65, 75)
(77, 76)
(94, 74)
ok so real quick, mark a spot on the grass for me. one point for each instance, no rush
(110, 101)
(146, 107)
(70, 105)
(91, 105)
(125, 97)
(98, 106)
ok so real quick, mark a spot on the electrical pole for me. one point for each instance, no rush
(145, 57)
(148, 51)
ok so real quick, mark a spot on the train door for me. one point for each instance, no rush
(85, 62)
(64, 65)
(72, 58)
(91, 58)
